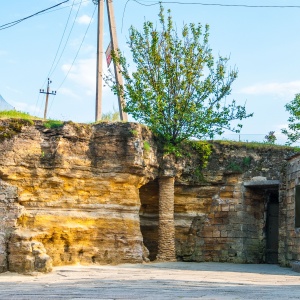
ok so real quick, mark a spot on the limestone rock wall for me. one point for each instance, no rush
(89, 194)
(217, 217)
(78, 194)
(10, 210)
(289, 246)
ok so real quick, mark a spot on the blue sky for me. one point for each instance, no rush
(263, 43)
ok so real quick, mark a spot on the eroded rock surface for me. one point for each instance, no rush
(89, 194)
(78, 195)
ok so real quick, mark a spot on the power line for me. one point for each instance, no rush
(77, 52)
(66, 6)
(203, 4)
(68, 37)
(10, 24)
(213, 4)
(51, 71)
(78, 49)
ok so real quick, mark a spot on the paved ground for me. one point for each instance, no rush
(155, 281)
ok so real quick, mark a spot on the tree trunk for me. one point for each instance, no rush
(166, 224)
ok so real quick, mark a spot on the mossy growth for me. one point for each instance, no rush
(147, 146)
(53, 124)
(255, 145)
(239, 165)
(11, 127)
(198, 175)
(203, 149)
(134, 132)
(14, 114)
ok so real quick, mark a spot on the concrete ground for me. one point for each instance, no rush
(155, 281)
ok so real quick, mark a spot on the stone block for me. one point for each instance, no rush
(225, 207)
(224, 233)
(295, 265)
(207, 233)
(216, 233)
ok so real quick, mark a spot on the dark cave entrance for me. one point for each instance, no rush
(272, 228)
(149, 217)
(266, 193)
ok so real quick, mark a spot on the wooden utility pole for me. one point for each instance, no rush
(47, 96)
(114, 42)
(98, 115)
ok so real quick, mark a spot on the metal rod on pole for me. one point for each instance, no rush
(47, 96)
(114, 41)
(98, 114)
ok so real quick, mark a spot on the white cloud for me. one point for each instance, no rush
(83, 74)
(68, 92)
(23, 106)
(284, 89)
(85, 3)
(84, 19)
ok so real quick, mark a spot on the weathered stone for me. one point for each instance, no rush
(89, 194)
(79, 190)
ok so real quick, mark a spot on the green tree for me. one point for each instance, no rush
(293, 131)
(179, 91)
(270, 138)
(113, 116)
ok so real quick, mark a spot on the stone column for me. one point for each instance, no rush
(166, 224)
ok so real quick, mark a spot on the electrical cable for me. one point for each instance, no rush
(76, 53)
(215, 4)
(124, 14)
(78, 49)
(51, 71)
(36, 104)
(68, 37)
(10, 24)
(203, 4)
(66, 6)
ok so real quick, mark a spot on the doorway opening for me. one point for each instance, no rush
(272, 228)
(149, 217)
(263, 211)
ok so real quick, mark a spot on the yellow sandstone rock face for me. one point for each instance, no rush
(89, 194)
(77, 194)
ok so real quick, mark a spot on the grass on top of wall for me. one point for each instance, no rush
(14, 114)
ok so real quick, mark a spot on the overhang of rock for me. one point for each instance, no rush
(78, 187)
(262, 184)
(88, 194)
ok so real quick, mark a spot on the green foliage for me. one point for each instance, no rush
(147, 146)
(254, 145)
(111, 116)
(238, 166)
(198, 175)
(270, 138)
(247, 161)
(169, 148)
(14, 114)
(234, 167)
(134, 132)
(204, 149)
(178, 89)
(53, 124)
(293, 131)
(11, 127)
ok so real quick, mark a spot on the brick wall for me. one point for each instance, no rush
(289, 236)
(9, 212)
